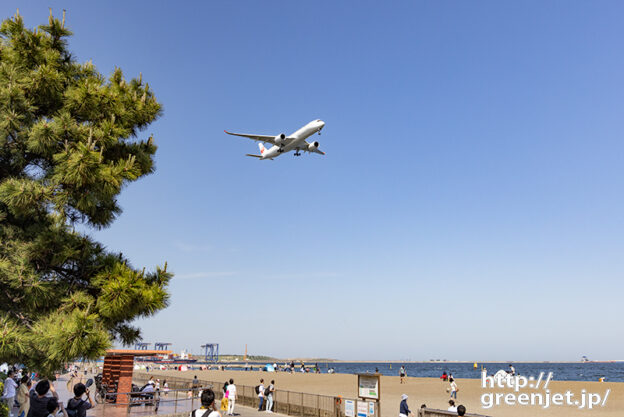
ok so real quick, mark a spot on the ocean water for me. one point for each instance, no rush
(577, 371)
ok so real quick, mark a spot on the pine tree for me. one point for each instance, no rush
(69, 142)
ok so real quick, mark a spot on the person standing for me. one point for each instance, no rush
(270, 390)
(404, 410)
(453, 388)
(231, 392)
(23, 397)
(55, 408)
(77, 403)
(224, 398)
(261, 394)
(39, 399)
(402, 374)
(195, 385)
(452, 406)
(208, 408)
(10, 391)
(512, 370)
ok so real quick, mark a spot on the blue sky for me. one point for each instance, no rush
(470, 205)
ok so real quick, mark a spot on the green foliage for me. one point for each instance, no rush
(69, 143)
(4, 410)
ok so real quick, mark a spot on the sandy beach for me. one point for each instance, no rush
(429, 391)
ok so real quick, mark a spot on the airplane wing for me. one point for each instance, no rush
(259, 138)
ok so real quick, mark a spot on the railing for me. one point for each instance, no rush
(291, 403)
(169, 401)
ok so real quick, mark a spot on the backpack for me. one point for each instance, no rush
(73, 412)
(267, 391)
(257, 389)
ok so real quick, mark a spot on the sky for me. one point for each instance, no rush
(470, 204)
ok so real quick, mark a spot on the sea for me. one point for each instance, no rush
(564, 371)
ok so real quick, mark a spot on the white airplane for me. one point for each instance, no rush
(282, 143)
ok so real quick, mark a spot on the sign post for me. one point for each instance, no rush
(369, 389)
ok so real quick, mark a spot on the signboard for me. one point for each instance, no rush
(349, 408)
(371, 409)
(368, 386)
(362, 409)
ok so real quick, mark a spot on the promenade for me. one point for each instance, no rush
(167, 406)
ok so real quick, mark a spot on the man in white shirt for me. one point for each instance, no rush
(10, 390)
(231, 390)
(261, 394)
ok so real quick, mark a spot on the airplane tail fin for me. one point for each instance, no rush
(262, 148)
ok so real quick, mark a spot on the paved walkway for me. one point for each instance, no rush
(167, 405)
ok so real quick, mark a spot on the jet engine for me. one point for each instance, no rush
(313, 146)
(279, 139)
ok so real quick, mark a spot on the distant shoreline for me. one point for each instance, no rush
(403, 362)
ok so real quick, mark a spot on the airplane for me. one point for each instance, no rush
(282, 143)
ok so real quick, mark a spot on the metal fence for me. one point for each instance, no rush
(291, 403)
(142, 403)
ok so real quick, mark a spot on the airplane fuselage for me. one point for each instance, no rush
(297, 140)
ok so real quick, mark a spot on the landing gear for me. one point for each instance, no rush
(319, 132)
(297, 153)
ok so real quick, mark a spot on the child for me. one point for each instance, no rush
(55, 409)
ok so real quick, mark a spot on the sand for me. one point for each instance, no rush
(428, 391)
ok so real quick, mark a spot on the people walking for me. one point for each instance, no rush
(402, 374)
(404, 410)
